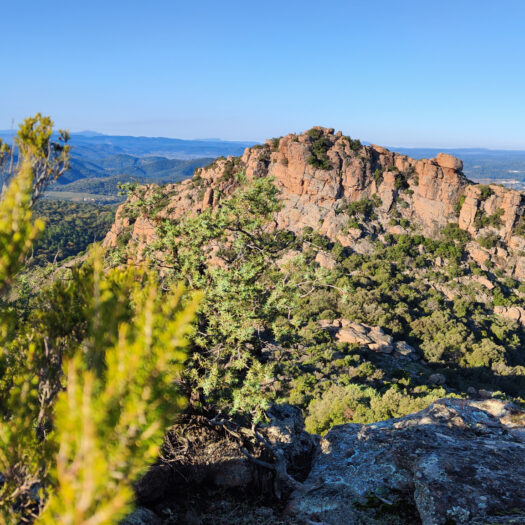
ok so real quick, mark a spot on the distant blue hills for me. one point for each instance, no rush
(89, 144)
(119, 158)
(116, 159)
(94, 144)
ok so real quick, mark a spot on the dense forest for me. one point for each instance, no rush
(70, 227)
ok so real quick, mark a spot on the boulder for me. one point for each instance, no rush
(484, 394)
(449, 161)
(351, 336)
(437, 379)
(457, 461)
(515, 313)
(325, 260)
(403, 349)
(207, 200)
(353, 333)
(381, 342)
(141, 516)
(370, 337)
(484, 281)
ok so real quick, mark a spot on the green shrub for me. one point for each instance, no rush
(318, 157)
(315, 133)
(358, 404)
(482, 220)
(485, 192)
(88, 372)
(355, 144)
(459, 205)
(364, 208)
(488, 241)
(400, 181)
(378, 176)
(452, 232)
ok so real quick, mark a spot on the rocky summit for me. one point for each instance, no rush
(454, 462)
(320, 172)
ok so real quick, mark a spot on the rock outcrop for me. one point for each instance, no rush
(369, 337)
(428, 193)
(515, 313)
(457, 461)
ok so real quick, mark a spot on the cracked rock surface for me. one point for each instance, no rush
(457, 461)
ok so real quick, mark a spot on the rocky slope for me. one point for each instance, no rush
(346, 329)
(321, 172)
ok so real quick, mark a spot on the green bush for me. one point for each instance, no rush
(358, 404)
(318, 157)
(364, 208)
(485, 192)
(378, 176)
(488, 241)
(88, 371)
(459, 205)
(355, 144)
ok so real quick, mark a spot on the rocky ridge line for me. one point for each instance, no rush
(428, 193)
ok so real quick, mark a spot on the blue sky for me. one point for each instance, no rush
(407, 73)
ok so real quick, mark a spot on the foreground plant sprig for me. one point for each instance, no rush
(87, 375)
(110, 421)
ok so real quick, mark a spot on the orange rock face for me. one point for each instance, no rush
(424, 192)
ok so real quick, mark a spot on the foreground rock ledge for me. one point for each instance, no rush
(455, 462)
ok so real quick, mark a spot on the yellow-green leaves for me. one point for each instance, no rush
(110, 420)
(40, 161)
(48, 158)
(88, 375)
(17, 231)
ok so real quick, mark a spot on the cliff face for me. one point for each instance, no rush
(320, 173)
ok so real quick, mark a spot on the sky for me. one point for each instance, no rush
(393, 72)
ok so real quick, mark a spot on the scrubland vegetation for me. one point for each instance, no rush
(99, 357)
(259, 340)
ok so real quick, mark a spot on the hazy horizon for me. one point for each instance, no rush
(90, 132)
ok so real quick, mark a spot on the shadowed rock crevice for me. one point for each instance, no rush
(214, 463)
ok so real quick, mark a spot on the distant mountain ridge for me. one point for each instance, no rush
(90, 143)
(95, 156)
(321, 173)
(153, 168)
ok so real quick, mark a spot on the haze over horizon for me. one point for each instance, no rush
(442, 75)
